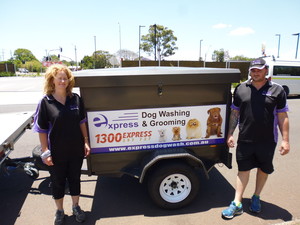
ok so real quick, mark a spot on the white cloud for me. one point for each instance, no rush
(241, 31)
(221, 26)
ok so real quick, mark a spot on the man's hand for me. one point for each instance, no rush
(284, 148)
(230, 141)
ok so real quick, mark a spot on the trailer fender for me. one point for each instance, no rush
(174, 153)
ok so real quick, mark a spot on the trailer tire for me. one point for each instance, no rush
(173, 185)
(31, 170)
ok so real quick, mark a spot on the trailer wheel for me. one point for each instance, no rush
(30, 170)
(173, 185)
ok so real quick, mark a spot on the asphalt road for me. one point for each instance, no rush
(118, 201)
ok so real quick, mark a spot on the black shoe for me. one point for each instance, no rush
(59, 217)
(79, 214)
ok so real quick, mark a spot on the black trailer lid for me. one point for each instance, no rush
(140, 76)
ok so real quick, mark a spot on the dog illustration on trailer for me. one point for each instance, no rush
(176, 134)
(193, 129)
(214, 122)
(162, 135)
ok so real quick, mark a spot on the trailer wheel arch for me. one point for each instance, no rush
(164, 156)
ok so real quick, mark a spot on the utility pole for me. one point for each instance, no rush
(2, 54)
(120, 51)
(95, 52)
(76, 58)
(278, 44)
(297, 44)
(200, 50)
(140, 44)
(155, 42)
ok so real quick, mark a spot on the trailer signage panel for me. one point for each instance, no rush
(156, 128)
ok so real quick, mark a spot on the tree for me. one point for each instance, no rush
(99, 59)
(87, 62)
(102, 59)
(24, 55)
(65, 62)
(160, 41)
(127, 54)
(241, 58)
(23, 58)
(220, 55)
(33, 66)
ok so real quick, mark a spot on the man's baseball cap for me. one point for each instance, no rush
(258, 64)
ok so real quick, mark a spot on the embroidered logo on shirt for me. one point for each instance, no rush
(74, 107)
(267, 93)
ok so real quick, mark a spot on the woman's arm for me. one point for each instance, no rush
(44, 144)
(87, 149)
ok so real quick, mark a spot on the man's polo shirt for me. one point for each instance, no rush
(258, 111)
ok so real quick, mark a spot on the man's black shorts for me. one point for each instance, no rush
(255, 155)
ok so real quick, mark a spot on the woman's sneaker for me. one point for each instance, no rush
(79, 214)
(255, 204)
(232, 210)
(59, 217)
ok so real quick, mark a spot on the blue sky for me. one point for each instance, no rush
(238, 26)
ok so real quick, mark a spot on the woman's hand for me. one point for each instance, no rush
(48, 161)
(87, 149)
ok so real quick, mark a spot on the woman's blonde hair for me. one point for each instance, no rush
(51, 73)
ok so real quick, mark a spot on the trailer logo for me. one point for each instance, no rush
(101, 120)
(123, 121)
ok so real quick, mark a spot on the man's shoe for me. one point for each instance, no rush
(59, 217)
(232, 210)
(255, 206)
(79, 214)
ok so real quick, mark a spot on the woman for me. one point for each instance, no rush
(61, 123)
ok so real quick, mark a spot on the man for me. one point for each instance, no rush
(259, 105)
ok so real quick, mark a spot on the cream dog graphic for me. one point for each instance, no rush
(193, 129)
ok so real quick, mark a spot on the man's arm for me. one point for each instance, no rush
(283, 122)
(233, 122)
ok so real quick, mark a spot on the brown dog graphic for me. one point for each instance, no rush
(214, 122)
(176, 134)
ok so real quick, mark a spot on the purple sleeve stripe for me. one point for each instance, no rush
(235, 107)
(37, 129)
(285, 109)
(83, 121)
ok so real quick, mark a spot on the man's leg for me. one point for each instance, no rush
(59, 204)
(241, 184)
(261, 179)
(236, 207)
